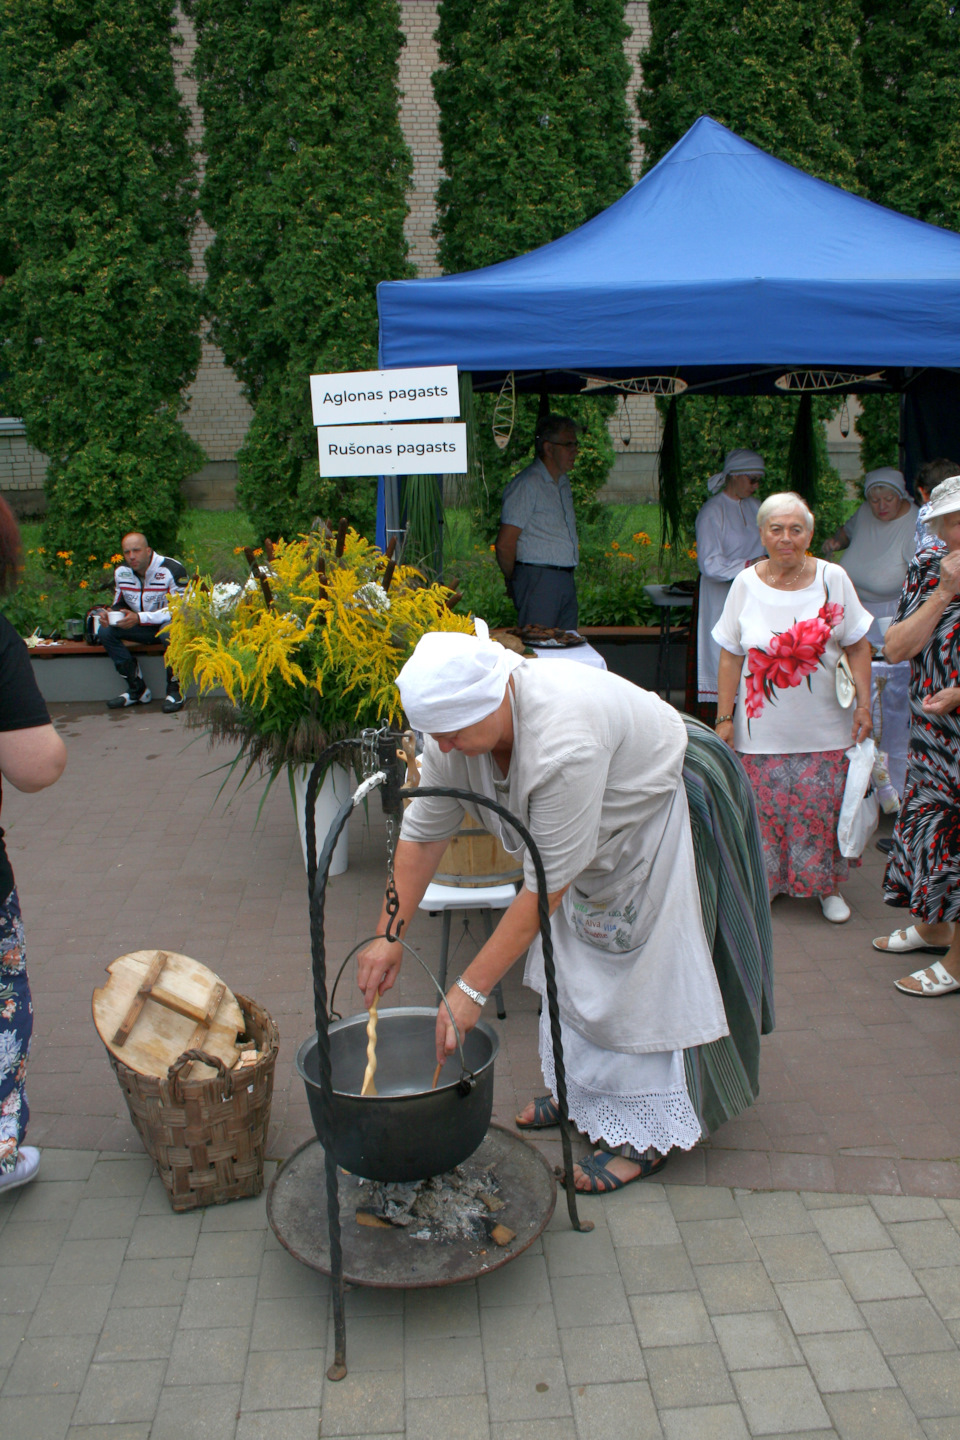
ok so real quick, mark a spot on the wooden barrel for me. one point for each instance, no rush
(474, 858)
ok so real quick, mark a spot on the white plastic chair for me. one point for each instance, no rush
(444, 899)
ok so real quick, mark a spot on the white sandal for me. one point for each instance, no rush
(908, 939)
(941, 985)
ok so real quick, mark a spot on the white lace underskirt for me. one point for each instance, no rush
(638, 1100)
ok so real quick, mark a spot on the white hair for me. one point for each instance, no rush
(784, 503)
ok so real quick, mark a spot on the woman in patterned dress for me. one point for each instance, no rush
(32, 756)
(923, 872)
(785, 624)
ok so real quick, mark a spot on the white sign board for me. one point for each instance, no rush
(393, 450)
(362, 397)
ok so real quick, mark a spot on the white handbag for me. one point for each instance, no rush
(846, 685)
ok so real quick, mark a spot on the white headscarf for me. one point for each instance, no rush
(886, 475)
(453, 680)
(738, 462)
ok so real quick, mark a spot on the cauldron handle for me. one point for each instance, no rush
(466, 1076)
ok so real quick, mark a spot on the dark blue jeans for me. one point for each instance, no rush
(111, 637)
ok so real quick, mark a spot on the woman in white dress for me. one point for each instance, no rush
(595, 773)
(880, 539)
(727, 541)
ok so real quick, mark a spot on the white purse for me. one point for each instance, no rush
(846, 687)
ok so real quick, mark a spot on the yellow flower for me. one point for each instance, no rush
(642, 538)
(238, 549)
(258, 552)
(40, 550)
(64, 554)
(91, 558)
(493, 549)
(614, 545)
(68, 562)
(84, 584)
(667, 545)
(107, 565)
(43, 597)
(116, 559)
(692, 553)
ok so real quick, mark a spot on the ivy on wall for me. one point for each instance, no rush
(535, 138)
(305, 188)
(98, 316)
(783, 74)
(911, 144)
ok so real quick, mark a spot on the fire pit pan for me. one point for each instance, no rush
(408, 1131)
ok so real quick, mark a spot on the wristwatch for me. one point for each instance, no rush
(475, 995)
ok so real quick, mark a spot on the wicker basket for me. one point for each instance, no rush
(207, 1137)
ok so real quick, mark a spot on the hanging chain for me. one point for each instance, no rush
(369, 763)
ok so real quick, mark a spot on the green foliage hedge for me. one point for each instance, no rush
(98, 316)
(535, 140)
(533, 123)
(305, 188)
(783, 74)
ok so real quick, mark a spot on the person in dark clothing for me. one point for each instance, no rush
(143, 586)
(32, 756)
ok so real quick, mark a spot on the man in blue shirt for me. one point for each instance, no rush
(537, 547)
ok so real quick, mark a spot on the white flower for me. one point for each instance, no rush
(373, 596)
(224, 597)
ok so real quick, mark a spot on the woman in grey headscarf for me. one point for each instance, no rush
(881, 538)
(727, 541)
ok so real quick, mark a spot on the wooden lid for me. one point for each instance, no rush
(157, 1004)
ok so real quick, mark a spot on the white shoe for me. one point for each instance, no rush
(28, 1163)
(835, 909)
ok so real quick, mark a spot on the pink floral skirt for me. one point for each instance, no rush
(798, 801)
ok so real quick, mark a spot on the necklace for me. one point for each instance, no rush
(783, 584)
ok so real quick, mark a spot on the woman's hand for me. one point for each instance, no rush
(378, 966)
(862, 724)
(725, 732)
(942, 702)
(950, 574)
(831, 546)
(466, 1013)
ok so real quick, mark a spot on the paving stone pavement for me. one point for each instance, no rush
(689, 1313)
(133, 848)
(798, 1276)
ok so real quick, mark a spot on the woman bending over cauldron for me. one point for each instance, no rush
(594, 770)
(785, 625)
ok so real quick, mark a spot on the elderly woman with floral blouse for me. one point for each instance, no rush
(784, 627)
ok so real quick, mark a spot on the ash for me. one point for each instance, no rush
(454, 1206)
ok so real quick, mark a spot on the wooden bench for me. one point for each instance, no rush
(84, 672)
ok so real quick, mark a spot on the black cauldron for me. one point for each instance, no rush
(407, 1131)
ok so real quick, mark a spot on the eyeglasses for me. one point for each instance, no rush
(564, 444)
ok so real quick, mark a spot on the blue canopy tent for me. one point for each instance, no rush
(724, 268)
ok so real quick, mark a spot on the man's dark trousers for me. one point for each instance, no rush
(111, 637)
(545, 595)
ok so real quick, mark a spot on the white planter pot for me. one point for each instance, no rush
(333, 792)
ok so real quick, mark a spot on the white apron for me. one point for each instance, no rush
(712, 598)
(620, 986)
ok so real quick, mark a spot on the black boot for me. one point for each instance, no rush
(173, 700)
(136, 692)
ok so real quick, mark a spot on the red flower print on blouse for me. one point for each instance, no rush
(790, 658)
